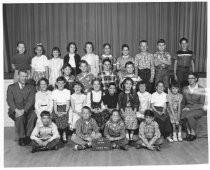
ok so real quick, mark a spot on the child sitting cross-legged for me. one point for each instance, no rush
(45, 135)
(86, 130)
(115, 131)
(149, 133)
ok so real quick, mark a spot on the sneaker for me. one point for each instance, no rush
(175, 138)
(78, 147)
(157, 148)
(169, 139)
(180, 137)
(125, 148)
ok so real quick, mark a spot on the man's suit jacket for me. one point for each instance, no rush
(20, 98)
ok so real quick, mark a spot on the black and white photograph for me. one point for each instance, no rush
(89, 84)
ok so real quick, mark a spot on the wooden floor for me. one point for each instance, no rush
(195, 152)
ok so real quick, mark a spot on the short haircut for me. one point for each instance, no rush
(160, 82)
(115, 110)
(43, 79)
(21, 42)
(56, 49)
(90, 43)
(107, 60)
(143, 41)
(106, 44)
(69, 44)
(196, 75)
(39, 45)
(22, 70)
(61, 78)
(129, 63)
(125, 45)
(149, 113)
(66, 65)
(139, 83)
(161, 41)
(83, 62)
(45, 113)
(112, 84)
(174, 84)
(183, 39)
(86, 107)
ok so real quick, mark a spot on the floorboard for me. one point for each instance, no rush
(195, 152)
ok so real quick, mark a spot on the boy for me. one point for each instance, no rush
(107, 76)
(115, 131)
(149, 133)
(86, 130)
(144, 64)
(45, 135)
(85, 77)
(162, 61)
(129, 72)
(183, 60)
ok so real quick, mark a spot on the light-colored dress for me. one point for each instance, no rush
(175, 100)
(43, 101)
(79, 101)
(144, 99)
(93, 61)
(55, 66)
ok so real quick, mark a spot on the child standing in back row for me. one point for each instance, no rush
(20, 61)
(162, 60)
(39, 64)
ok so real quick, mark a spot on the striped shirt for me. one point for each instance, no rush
(144, 61)
(84, 128)
(184, 58)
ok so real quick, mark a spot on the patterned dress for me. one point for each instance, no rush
(85, 80)
(175, 100)
(70, 80)
(130, 117)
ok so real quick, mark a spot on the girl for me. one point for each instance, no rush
(78, 101)
(85, 77)
(61, 102)
(20, 61)
(144, 98)
(106, 54)
(94, 101)
(91, 58)
(158, 105)
(55, 65)
(115, 131)
(72, 58)
(67, 70)
(39, 64)
(124, 58)
(174, 110)
(110, 99)
(43, 98)
(128, 104)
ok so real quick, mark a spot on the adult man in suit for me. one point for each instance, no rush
(21, 99)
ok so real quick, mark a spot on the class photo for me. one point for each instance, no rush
(105, 84)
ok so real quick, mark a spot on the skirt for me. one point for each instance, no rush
(38, 75)
(61, 121)
(131, 122)
(101, 118)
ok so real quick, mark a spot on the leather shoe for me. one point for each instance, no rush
(187, 138)
(22, 142)
(192, 137)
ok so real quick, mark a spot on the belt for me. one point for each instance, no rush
(43, 105)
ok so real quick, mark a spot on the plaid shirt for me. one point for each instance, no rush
(163, 56)
(149, 131)
(143, 61)
(106, 79)
(85, 80)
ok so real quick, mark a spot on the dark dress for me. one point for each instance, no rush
(110, 100)
(102, 117)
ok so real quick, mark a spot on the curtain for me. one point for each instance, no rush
(116, 23)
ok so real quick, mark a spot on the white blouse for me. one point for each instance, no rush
(96, 98)
(61, 96)
(72, 60)
(39, 63)
(159, 99)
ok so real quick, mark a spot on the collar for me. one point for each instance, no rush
(21, 85)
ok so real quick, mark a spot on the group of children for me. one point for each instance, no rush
(103, 96)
